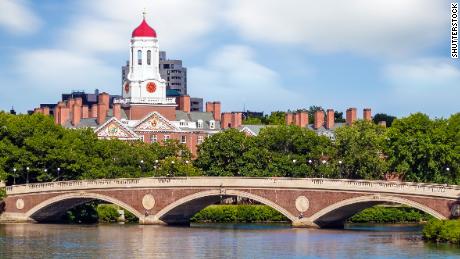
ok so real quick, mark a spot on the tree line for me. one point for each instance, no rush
(415, 148)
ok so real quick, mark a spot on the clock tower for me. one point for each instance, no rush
(143, 84)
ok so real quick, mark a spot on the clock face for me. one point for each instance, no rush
(127, 87)
(151, 87)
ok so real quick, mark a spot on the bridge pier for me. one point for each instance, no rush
(151, 220)
(10, 217)
(304, 223)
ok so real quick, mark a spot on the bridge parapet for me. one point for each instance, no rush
(423, 189)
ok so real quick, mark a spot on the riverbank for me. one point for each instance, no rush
(390, 215)
(442, 231)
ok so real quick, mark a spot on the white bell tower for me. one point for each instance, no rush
(143, 84)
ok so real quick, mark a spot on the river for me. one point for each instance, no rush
(215, 241)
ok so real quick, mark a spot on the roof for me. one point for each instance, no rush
(144, 30)
(206, 117)
(254, 128)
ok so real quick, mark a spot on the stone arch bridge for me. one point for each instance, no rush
(306, 202)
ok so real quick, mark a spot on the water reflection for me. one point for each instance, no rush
(214, 241)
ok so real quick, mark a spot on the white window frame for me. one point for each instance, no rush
(183, 139)
(154, 138)
(199, 124)
(200, 140)
(183, 123)
(212, 124)
(166, 137)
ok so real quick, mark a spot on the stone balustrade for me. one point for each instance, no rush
(423, 189)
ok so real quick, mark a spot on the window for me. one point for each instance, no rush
(200, 139)
(200, 124)
(154, 139)
(183, 139)
(166, 137)
(166, 66)
(183, 123)
(141, 138)
(212, 124)
(149, 57)
(139, 57)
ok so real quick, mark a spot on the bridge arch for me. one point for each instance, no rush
(61, 203)
(188, 206)
(336, 214)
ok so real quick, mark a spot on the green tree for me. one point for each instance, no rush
(360, 147)
(388, 119)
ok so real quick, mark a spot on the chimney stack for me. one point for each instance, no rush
(104, 98)
(117, 111)
(367, 114)
(215, 108)
(351, 116)
(76, 114)
(184, 103)
(101, 113)
(84, 112)
(61, 114)
(70, 103)
(93, 113)
(289, 118)
(319, 119)
(301, 119)
(46, 110)
(226, 120)
(209, 107)
(330, 119)
(237, 119)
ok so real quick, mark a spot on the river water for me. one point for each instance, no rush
(215, 241)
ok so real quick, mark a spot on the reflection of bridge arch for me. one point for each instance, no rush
(184, 208)
(53, 207)
(337, 213)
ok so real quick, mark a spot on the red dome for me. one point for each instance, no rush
(144, 30)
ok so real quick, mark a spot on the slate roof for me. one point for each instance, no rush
(196, 116)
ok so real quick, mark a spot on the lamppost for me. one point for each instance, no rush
(324, 163)
(14, 176)
(58, 173)
(27, 175)
(340, 168)
(172, 171)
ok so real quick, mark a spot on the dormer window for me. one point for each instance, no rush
(212, 124)
(200, 124)
(183, 123)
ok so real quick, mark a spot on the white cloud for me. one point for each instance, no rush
(424, 85)
(17, 17)
(232, 76)
(106, 25)
(378, 28)
(57, 70)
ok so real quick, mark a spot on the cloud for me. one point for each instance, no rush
(17, 17)
(428, 84)
(377, 28)
(179, 23)
(232, 76)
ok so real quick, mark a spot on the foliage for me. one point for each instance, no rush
(238, 213)
(2, 193)
(425, 150)
(338, 116)
(107, 213)
(381, 214)
(442, 231)
(360, 149)
(275, 118)
(252, 121)
(378, 117)
(85, 213)
(53, 153)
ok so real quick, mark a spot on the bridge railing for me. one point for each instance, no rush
(440, 190)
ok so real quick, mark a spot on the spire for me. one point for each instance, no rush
(144, 13)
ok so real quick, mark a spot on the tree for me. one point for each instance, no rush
(424, 150)
(360, 147)
(252, 121)
(338, 116)
(311, 113)
(275, 118)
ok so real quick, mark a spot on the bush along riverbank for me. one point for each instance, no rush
(238, 214)
(387, 215)
(92, 212)
(442, 231)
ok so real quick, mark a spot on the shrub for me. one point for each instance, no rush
(238, 213)
(442, 231)
(107, 213)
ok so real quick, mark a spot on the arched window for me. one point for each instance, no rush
(139, 57)
(149, 57)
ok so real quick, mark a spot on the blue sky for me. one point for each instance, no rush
(390, 55)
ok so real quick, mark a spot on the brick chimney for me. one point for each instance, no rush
(76, 114)
(117, 111)
(209, 107)
(330, 119)
(46, 110)
(367, 114)
(237, 119)
(217, 110)
(351, 116)
(93, 113)
(226, 120)
(301, 119)
(289, 118)
(184, 103)
(104, 98)
(61, 114)
(319, 119)
(101, 113)
(70, 103)
(79, 101)
(84, 112)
